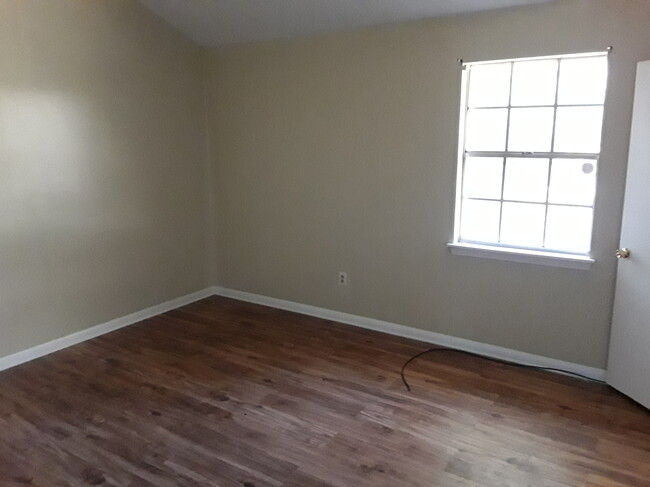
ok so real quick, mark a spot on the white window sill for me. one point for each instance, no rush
(552, 259)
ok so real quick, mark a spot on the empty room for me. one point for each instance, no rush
(296, 243)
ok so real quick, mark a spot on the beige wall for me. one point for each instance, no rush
(328, 154)
(338, 153)
(102, 209)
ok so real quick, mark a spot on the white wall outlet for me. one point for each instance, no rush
(343, 278)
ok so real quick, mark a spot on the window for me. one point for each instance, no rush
(529, 143)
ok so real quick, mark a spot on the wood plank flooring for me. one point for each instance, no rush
(225, 393)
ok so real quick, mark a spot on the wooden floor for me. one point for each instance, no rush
(223, 393)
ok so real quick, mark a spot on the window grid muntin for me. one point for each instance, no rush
(503, 161)
(546, 203)
(504, 155)
(551, 161)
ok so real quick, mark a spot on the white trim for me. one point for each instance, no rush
(414, 333)
(551, 259)
(348, 319)
(541, 58)
(95, 331)
(460, 157)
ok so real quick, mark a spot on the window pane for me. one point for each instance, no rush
(486, 129)
(573, 182)
(582, 81)
(531, 129)
(526, 180)
(578, 129)
(489, 85)
(483, 177)
(568, 228)
(480, 220)
(522, 224)
(534, 82)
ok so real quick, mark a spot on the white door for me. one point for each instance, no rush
(629, 351)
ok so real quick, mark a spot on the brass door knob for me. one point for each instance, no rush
(623, 253)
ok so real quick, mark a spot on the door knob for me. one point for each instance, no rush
(623, 253)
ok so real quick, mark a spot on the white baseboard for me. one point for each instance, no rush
(416, 334)
(346, 318)
(83, 335)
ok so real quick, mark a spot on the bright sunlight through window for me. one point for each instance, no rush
(530, 133)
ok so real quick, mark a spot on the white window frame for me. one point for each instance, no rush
(498, 251)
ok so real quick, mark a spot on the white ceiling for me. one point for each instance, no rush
(218, 22)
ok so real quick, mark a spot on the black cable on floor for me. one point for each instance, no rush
(485, 357)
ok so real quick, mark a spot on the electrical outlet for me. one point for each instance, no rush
(343, 278)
